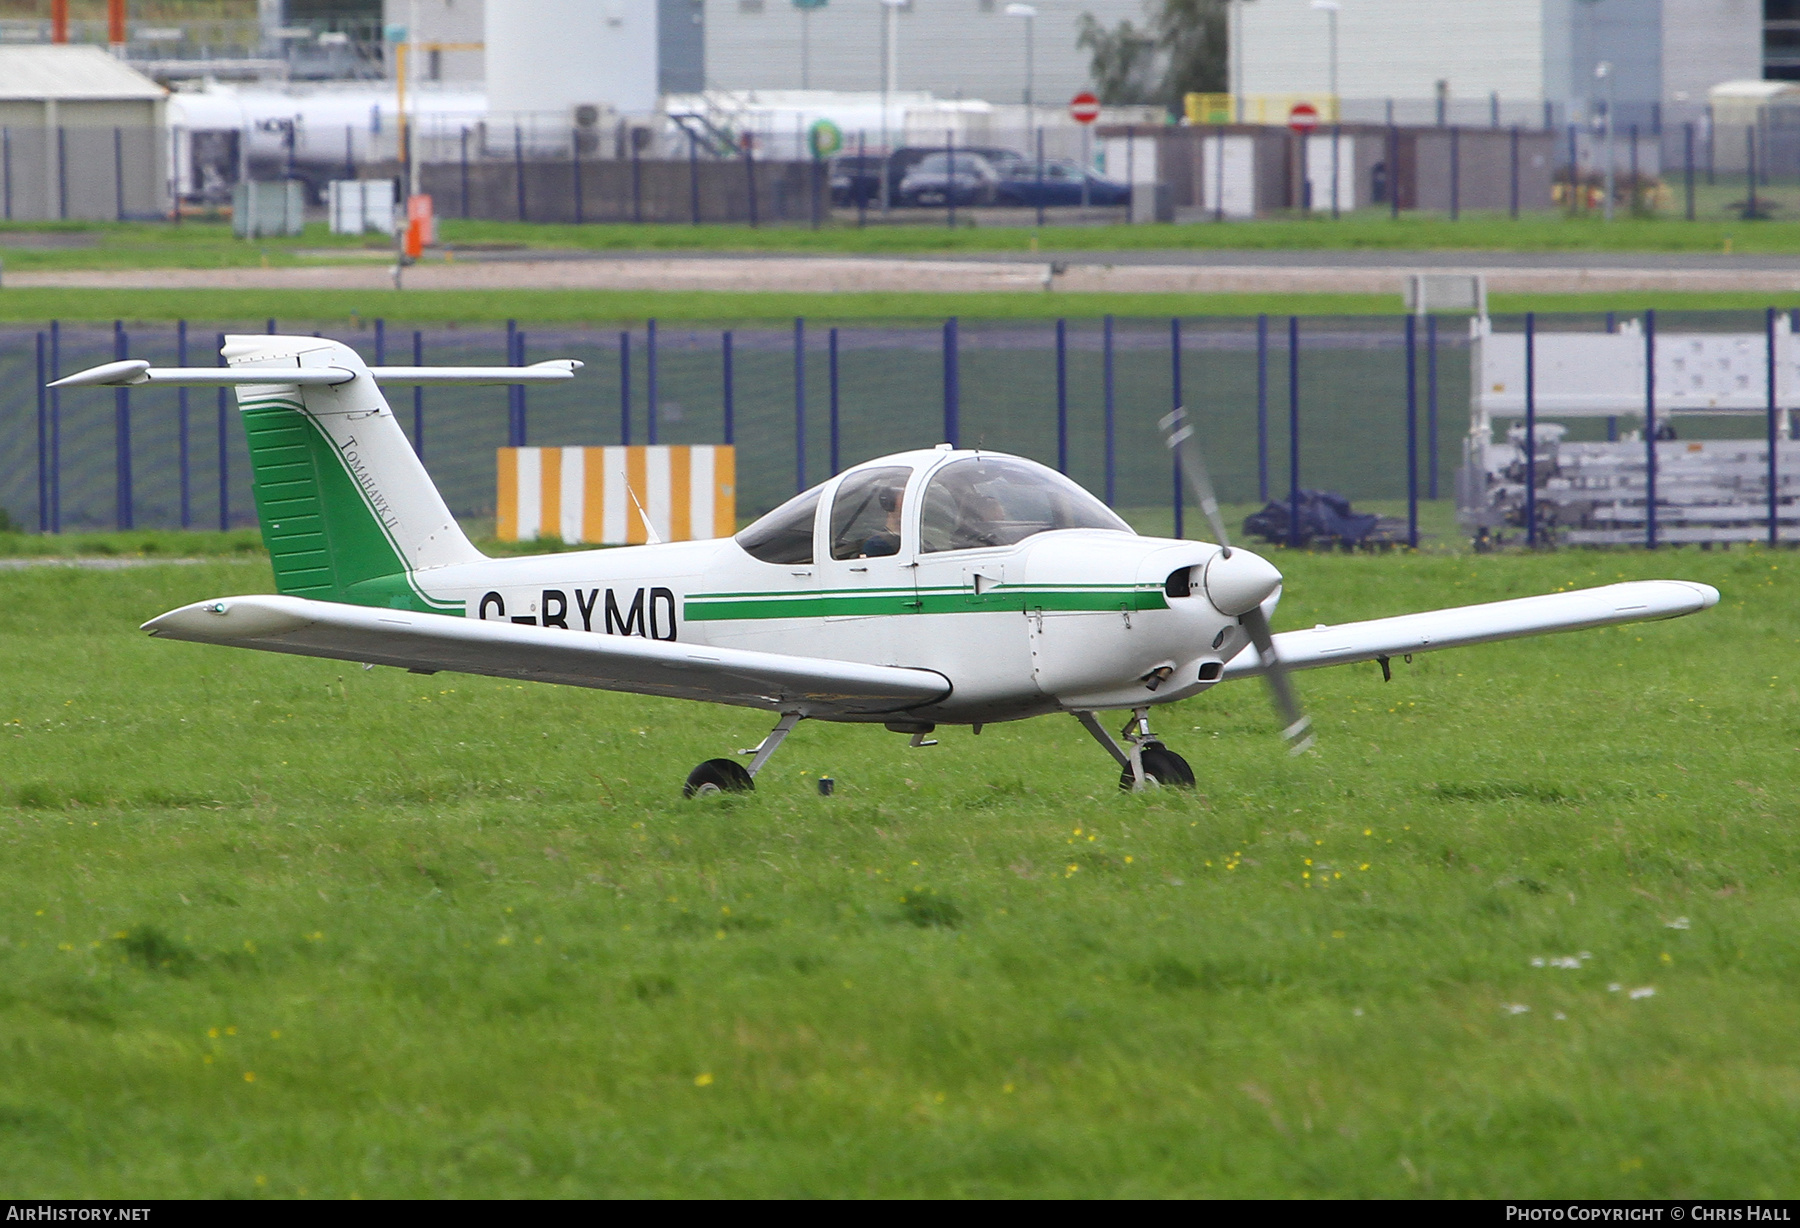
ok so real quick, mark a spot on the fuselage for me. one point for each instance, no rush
(1077, 618)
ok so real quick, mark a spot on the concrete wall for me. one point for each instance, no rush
(1706, 42)
(1483, 175)
(785, 191)
(555, 55)
(1396, 48)
(440, 21)
(953, 48)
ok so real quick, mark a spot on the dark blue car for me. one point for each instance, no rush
(1060, 184)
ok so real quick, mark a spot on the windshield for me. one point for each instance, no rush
(996, 501)
(785, 535)
(865, 516)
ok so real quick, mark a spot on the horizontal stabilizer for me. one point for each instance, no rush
(133, 372)
(431, 642)
(1460, 626)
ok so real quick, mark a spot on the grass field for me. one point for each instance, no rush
(281, 927)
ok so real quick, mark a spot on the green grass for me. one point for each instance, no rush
(199, 244)
(356, 308)
(278, 927)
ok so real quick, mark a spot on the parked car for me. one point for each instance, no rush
(1061, 184)
(944, 178)
(856, 180)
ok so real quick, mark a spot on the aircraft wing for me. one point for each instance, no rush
(1460, 626)
(427, 643)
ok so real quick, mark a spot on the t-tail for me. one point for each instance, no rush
(347, 509)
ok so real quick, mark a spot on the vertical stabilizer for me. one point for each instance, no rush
(347, 509)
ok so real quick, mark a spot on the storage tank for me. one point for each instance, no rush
(554, 55)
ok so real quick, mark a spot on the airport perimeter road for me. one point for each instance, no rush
(1182, 272)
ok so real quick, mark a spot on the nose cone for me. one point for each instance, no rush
(1238, 584)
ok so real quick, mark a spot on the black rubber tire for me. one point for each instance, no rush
(718, 776)
(1162, 768)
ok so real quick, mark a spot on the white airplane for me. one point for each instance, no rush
(937, 587)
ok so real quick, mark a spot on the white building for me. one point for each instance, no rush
(1524, 51)
(950, 48)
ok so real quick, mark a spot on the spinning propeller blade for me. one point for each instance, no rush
(1296, 729)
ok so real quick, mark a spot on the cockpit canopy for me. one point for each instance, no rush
(972, 503)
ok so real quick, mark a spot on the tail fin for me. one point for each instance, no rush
(347, 510)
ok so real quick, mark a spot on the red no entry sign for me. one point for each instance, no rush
(1084, 108)
(1303, 118)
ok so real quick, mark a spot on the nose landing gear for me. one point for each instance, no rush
(1148, 763)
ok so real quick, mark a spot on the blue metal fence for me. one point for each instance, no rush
(1084, 396)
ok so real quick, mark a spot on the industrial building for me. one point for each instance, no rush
(81, 136)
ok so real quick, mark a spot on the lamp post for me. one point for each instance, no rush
(890, 80)
(1603, 72)
(806, 8)
(1330, 9)
(1029, 13)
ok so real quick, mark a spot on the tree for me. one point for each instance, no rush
(1122, 61)
(1183, 49)
(1195, 35)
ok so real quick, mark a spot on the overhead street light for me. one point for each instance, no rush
(1330, 9)
(1029, 13)
(890, 74)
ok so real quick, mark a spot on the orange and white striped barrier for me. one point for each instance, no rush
(602, 496)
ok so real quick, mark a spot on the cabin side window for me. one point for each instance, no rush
(785, 535)
(865, 514)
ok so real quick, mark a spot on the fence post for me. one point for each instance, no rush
(862, 164)
(952, 386)
(43, 441)
(519, 389)
(418, 397)
(1175, 403)
(1774, 436)
(812, 185)
(637, 180)
(1393, 183)
(1062, 396)
(650, 390)
(1650, 429)
(118, 174)
(1494, 109)
(1412, 431)
(693, 179)
(181, 428)
(1431, 407)
(832, 371)
(515, 429)
(575, 165)
(1530, 429)
(750, 178)
(1040, 178)
(1262, 407)
(519, 168)
(1750, 162)
(799, 404)
(1455, 173)
(122, 431)
(1512, 197)
(224, 448)
(1294, 431)
(464, 160)
(56, 427)
(62, 173)
(6, 167)
(730, 407)
(1107, 369)
(1687, 166)
(1576, 204)
(381, 342)
(625, 387)
(349, 151)
(950, 190)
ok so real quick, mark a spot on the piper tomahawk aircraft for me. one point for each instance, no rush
(935, 587)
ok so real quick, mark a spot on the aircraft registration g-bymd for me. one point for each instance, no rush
(936, 587)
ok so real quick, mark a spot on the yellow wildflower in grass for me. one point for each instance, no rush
(249, 1076)
(703, 1080)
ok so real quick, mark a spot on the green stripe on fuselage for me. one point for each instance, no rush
(855, 603)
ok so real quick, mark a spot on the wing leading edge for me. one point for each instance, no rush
(1460, 626)
(432, 642)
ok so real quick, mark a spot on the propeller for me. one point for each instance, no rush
(1244, 582)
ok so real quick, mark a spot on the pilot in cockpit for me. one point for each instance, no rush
(885, 541)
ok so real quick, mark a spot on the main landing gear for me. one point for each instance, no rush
(1148, 763)
(728, 775)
